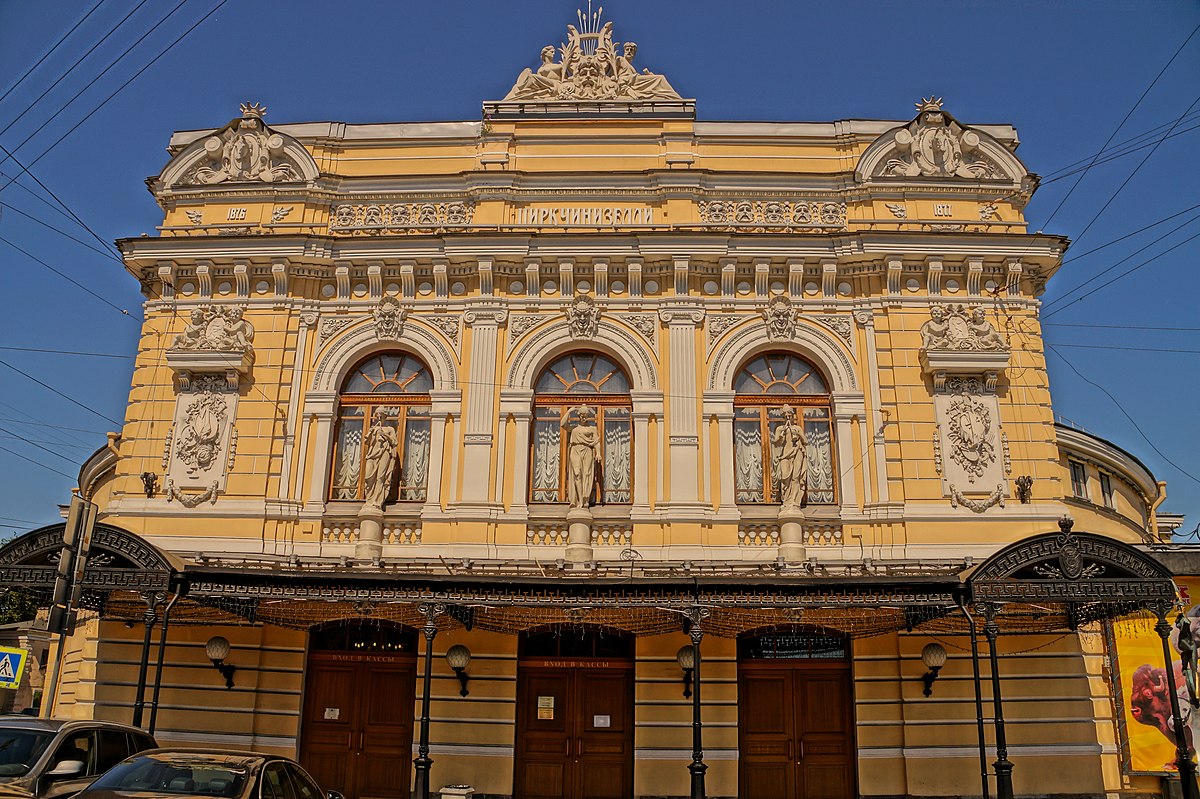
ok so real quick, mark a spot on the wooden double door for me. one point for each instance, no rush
(795, 730)
(358, 723)
(574, 729)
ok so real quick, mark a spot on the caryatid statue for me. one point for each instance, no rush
(583, 453)
(791, 455)
(380, 462)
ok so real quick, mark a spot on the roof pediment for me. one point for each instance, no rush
(245, 151)
(935, 146)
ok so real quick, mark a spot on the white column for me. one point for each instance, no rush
(319, 407)
(308, 320)
(683, 435)
(517, 403)
(847, 407)
(645, 405)
(479, 416)
(873, 425)
(443, 404)
(720, 405)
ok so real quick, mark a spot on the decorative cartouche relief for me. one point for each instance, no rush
(330, 326)
(773, 214)
(936, 145)
(389, 319)
(839, 325)
(202, 440)
(955, 327)
(583, 317)
(448, 325)
(719, 323)
(244, 151)
(590, 69)
(969, 443)
(403, 217)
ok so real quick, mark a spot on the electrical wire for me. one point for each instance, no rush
(59, 231)
(69, 352)
(1123, 327)
(54, 390)
(1121, 408)
(48, 53)
(37, 463)
(71, 280)
(71, 69)
(120, 88)
(52, 426)
(71, 461)
(1132, 349)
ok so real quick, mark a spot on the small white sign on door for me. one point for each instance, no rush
(601, 721)
(332, 713)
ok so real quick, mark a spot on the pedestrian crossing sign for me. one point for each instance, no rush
(12, 666)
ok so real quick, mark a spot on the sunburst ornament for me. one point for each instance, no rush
(253, 111)
(929, 103)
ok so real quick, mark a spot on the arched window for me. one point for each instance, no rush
(398, 384)
(582, 378)
(762, 389)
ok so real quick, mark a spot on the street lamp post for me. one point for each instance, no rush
(422, 762)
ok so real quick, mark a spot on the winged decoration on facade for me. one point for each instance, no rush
(590, 69)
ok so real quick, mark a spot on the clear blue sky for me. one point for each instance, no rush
(1064, 73)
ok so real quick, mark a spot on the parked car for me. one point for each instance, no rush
(56, 758)
(172, 773)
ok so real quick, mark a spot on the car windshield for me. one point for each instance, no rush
(196, 776)
(20, 749)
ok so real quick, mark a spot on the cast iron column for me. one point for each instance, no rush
(1004, 788)
(1183, 760)
(153, 600)
(422, 762)
(697, 766)
(162, 649)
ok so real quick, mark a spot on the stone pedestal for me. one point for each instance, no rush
(457, 792)
(791, 534)
(579, 535)
(370, 533)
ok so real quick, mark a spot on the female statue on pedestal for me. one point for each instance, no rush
(380, 459)
(791, 445)
(583, 453)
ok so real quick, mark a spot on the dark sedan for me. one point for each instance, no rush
(172, 773)
(55, 758)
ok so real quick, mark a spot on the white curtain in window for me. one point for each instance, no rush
(416, 457)
(616, 457)
(546, 454)
(748, 462)
(349, 460)
(820, 462)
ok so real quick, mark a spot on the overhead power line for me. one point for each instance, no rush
(36, 463)
(48, 53)
(54, 390)
(70, 279)
(1124, 412)
(31, 442)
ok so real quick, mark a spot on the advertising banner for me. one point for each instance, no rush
(1140, 681)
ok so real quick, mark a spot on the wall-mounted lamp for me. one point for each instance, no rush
(1025, 489)
(458, 656)
(217, 650)
(934, 657)
(149, 483)
(686, 658)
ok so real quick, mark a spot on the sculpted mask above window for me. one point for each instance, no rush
(381, 450)
(582, 380)
(782, 438)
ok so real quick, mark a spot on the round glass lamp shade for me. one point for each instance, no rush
(933, 656)
(458, 656)
(686, 657)
(217, 647)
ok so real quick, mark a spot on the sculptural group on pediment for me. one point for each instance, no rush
(956, 328)
(244, 151)
(217, 329)
(936, 145)
(590, 69)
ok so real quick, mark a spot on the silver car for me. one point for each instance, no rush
(207, 774)
(56, 758)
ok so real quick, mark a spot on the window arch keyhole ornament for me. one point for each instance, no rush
(381, 450)
(782, 433)
(582, 437)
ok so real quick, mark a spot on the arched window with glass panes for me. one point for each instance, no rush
(594, 380)
(763, 387)
(399, 384)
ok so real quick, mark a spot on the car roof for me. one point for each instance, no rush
(23, 722)
(224, 757)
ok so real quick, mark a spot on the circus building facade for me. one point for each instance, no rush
(590, 449)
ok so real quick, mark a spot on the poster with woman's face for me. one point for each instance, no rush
(1144, 689)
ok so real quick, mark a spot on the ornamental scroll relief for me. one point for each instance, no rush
(246, 150)
(590, 69)
(936, 145)
(970, 440)
(202, 442)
